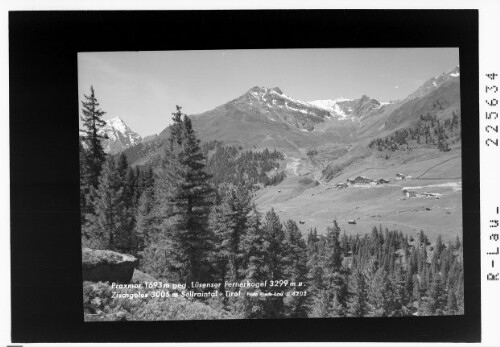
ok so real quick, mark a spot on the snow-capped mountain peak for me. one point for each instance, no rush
(276, 106)
(118, 124)
(120, 136)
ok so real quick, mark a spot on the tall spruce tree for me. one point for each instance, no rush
(254, 268)
(295, 270)
(84, 188)
(94, 156)
(252, 245)
(334, 272)
(188, 196)
(274, 250)
(229, 223)
(274, 237)
(127, 182)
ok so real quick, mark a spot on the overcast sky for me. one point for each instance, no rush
(144, 87)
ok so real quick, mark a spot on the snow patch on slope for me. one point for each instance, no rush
(332, 106)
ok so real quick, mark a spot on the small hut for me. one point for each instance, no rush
(409, 193)
(360, 180)
(400, 176)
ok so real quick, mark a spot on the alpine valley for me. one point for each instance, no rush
(362, 162)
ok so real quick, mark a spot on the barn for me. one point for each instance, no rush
(409, 193)
(360, 180)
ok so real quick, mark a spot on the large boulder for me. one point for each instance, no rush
(107, 266)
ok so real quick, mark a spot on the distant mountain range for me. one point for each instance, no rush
(266, 117)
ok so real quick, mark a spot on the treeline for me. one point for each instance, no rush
(429, 131)
(226, 164)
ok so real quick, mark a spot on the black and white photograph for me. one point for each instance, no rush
(271, 183)
(252, 175)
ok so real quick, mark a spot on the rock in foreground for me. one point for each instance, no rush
(107, 266)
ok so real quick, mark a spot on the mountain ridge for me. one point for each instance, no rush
(265, 117)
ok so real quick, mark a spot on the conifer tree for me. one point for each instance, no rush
(437, 297)
(274, 237)
(146, 225)
(253, 267)
(122, 166)
(94, 155)
(252, 246)
(334, 273)
(358, 304)
(381, 295)
(84, 188)
(187, 197)
(273, 246)
(110, 218)
(126, 177)
(316, 272)
(229, 224)
(295, 269)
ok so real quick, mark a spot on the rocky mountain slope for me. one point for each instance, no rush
(434, 83)
(271, 105)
